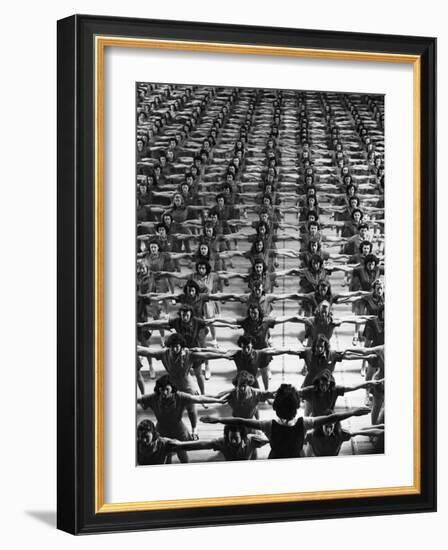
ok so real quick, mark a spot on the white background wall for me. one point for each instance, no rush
(28, 271)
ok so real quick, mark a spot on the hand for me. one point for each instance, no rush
(375, 382)
(209, 419)
(361, 411)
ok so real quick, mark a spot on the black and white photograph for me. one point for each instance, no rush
(260, 273)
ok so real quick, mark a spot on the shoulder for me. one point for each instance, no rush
(183, 396)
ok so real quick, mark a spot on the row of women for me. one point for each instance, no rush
(230, 175)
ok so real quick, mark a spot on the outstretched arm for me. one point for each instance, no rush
(364, 351)
(318, 421)
(175, 445)
(225, 321)
(174, 275)
(357, 320)
(293, 319)
(221, 296)
(160, 296)
(227, 276)
(271, 352)
(364, 385)
(150, 352)
(206, 399)
(212, 354)
(162, 323)
(292, 271)
(369, 432)
(236, 421)
(293, 296)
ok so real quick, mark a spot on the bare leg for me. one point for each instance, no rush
(376, 407)
(307, 410)
(370, 371)
(265, 377)
(200, 378)
(193, 416)
(140, 382)
(182, 456)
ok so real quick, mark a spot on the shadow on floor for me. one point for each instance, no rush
(44, 516)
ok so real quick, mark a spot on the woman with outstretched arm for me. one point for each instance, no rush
(286, 433)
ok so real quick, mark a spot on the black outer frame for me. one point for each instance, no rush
(75, 402)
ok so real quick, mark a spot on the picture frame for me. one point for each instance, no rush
(82, 41)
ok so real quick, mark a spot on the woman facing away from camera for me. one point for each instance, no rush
(286, 433)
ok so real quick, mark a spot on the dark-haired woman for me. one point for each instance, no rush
(179, 362)
(364, 276)
(322, 395)
(320, 357)
(327, 440)
(151, 447)
(168, 406)
(236, 444)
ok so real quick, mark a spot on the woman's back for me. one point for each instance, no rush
(287, 441)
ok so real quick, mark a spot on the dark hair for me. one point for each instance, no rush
(185, 307)
(161, 225)
(243, 377)
(286, 402)
(371, 258)
(258, 308)
(253, 248)
(363, 226)
(175, 340)
(262, 224)
(199, 256)
(325, 374)
(354, 212)
(244, 341)
(153, 241)
(213, 212)
(207, 266)
(363, 243)
(209, 224)
(260, 260)
(164, 381)
(313, 241)
(191, 284)
(321, 338)
(228, 429)
(144, 427)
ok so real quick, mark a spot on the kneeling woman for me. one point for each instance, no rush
(286, 433)
(327, 440)
(168, 406)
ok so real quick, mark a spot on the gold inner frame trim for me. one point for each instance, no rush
(101, 42)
